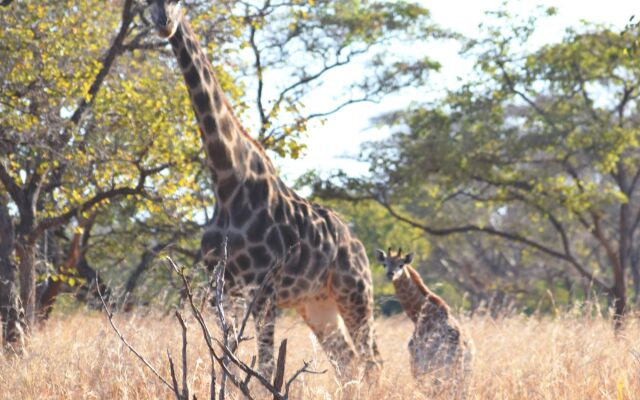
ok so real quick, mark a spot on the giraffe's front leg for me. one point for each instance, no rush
(264, 317)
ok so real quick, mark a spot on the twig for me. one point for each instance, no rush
(228, 355)
(240, 334)
(304, 370)
(244, 367)
(208, 339)
(278, 380)
(201, 322)
(277, 395)
(185, 388)
(219, 279)
(252, 365)
(123, 340)
(267, 279)
(212, 391)
(172, 370)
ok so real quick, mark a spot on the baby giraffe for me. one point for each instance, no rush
(438, 346)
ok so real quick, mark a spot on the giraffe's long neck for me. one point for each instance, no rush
(412, 293)
(232, 155)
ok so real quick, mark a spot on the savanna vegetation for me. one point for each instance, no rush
(517, 357)
(517, 189)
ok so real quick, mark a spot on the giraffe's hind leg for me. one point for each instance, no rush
(359, 323)
(352, 288)
(323, 318)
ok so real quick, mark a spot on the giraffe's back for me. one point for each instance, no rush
(439, 347)
(312, 250)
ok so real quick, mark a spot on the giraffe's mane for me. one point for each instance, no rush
(186, 26)
(244, 132)
(432, 297)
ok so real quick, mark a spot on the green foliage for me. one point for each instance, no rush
(53, 54)
(539, 147)
(311, 40)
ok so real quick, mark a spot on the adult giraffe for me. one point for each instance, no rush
(321, 269)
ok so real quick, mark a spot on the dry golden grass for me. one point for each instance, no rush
(80, 357)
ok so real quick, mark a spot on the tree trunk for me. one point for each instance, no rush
(624, 246)
(88, 291)
(145, 261)
(635, 275)
(48, 298)
(618, 295)
(11, 312)
(27, 267)
(52, 288)
(619, 305)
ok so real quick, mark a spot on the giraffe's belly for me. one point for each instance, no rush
(296, 274)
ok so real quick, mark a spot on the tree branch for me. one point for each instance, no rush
(99, 197)
(107, 63)
(131, 348)
(258, 64)
(496, 232)
(10, 184)
(51, 222)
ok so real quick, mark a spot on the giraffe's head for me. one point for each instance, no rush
(393, 264)
(165, 15)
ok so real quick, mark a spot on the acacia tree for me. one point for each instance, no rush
(540, 149)
(310, 43)
(66, 145)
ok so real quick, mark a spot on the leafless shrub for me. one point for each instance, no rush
(222, 350)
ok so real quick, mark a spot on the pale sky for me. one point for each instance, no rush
(330, 146)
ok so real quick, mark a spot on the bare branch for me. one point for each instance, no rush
(263, 285)
(107, 63)
(304, 370)
(245, 368)
(205, 330)
(218, 276)
(340, 107)
(208, 338)
(172, 371)
(131, 348)
(10, 184)
(258, 64)
(496, 232)
(185, 388)
(278, 380)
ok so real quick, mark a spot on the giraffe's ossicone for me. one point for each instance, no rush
(318, 266)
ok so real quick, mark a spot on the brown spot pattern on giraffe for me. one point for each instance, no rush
(267, 225)
(438, 347)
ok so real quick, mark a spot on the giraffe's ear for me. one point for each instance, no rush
(408, 258)
(380, 255)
